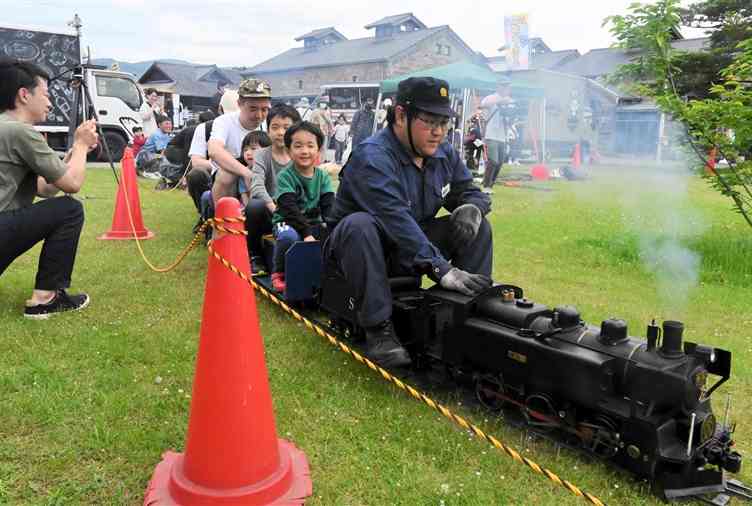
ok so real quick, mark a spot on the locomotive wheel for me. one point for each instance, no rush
(602, 440)
(488, 389)
(540, 413)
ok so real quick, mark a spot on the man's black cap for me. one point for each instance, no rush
(425, 93)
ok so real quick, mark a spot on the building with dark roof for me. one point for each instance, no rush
(598, 63)
(400, 44)
(192, 85)
(581, 108)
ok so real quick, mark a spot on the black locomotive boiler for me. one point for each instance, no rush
(643, 404)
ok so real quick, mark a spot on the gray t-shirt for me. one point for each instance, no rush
(24, 155)
(498, 117)
(265, 171)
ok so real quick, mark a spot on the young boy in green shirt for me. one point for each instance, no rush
(305, 196)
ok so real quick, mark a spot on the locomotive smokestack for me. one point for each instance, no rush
(652, 334)
(672, 339)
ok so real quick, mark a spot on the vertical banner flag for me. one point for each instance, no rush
(517, 41)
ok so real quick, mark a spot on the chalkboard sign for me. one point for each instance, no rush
(53, 52)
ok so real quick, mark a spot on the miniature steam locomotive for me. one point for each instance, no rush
(644, 405)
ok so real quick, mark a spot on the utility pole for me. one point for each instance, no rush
(76, 24)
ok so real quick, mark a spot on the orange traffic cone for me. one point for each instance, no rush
(122, 227)
(232, 454)
(576, 157)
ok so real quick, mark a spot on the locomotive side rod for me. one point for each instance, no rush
(536, 414)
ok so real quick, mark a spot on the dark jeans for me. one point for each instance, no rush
(472, 156)
(198, 181)
(258, 222)
(57, 222)
(362, 251)
(339, 150)
(496, 158)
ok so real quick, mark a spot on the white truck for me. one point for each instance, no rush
(116, 96)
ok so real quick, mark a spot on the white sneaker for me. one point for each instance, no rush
(151, 175)
(488, 191)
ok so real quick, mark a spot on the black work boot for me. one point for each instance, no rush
(383, 347)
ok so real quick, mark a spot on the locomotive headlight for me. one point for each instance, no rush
(707, 429)
(705, 353)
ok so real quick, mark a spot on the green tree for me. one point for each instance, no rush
(720, 124)
(728, 22)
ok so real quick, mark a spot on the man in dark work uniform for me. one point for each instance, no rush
(385, 213)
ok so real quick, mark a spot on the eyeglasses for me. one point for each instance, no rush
(434, 123)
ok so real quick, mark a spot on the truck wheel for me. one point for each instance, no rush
(117, 144)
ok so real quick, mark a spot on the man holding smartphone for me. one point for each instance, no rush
(29, 168)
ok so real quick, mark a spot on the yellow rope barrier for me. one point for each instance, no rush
(214, 222)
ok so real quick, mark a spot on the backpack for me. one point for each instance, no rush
(207, 134)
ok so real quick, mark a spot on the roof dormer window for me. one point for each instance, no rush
(321, 37)
(401, 23)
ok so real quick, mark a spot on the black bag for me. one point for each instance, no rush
(174, 155)
(170, 171)
(208, 130)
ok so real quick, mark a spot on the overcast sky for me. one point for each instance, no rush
(247, 32)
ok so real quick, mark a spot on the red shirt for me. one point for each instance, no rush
(138, 143)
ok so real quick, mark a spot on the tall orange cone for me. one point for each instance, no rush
(232, 453)
(122, 228)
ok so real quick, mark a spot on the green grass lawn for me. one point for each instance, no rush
(89, 401)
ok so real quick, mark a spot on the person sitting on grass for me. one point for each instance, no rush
(305, 196)
(252, 143)
(153, 148)
(138, 140)
(29, 169)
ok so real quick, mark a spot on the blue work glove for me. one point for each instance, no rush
(464, 282)
(465, 222)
